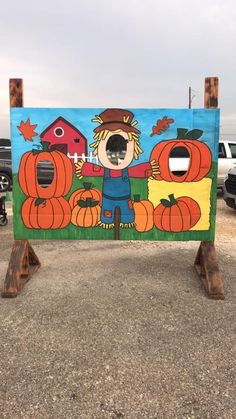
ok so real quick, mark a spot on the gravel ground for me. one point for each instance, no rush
(119, 330)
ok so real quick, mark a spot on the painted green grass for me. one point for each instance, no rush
(138, 186)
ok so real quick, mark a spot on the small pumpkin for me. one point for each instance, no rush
(176, 215)
(86, 192)
(143, 214)
(199, 162)
(63, 173)
(86, 213)
(40, 213)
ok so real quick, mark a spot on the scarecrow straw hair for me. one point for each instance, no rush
(102, 135)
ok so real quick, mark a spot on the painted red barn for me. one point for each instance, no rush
(64, 136)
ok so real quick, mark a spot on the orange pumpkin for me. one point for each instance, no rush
(87, 192)
(86, 213)
(39, 213)
(199, 156)
(143, 214)
(176, 215)
(63, 173)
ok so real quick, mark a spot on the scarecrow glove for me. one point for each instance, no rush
(79, 166)
(155, 169)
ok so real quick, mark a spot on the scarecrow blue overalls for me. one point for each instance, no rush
(116, 193)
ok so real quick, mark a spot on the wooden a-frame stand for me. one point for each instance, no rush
(206, 263)
(24, 262)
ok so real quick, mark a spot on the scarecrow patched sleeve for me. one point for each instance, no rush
(88, 169)
(142, 170)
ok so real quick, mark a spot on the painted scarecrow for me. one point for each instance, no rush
(116, 145)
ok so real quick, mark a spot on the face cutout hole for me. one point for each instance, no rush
(45, 173)
(116, 149)
(179, 159)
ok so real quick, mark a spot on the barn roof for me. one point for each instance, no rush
(60, 118)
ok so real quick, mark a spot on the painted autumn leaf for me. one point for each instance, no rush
(27, 130)
(161, 126)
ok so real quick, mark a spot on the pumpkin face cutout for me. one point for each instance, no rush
(200, 159)
(143, 214)
(54, 213)
(86, 213)
(63, 173)
(177, 215)
(87, 192)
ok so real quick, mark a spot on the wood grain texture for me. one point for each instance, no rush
(22, 265)
(23, 261)
(16, 93)
(211, 92)
(206, 263)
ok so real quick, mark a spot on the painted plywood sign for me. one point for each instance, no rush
(74, 169)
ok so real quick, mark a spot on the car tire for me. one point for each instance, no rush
(5, 182)
(230, 202)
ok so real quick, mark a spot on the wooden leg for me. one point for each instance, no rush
(207, 267)
(23, 263)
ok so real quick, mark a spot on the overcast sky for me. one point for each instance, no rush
(118, 53)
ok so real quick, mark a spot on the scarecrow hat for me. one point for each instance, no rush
(113, 119)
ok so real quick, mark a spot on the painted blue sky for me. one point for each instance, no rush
(204, 119)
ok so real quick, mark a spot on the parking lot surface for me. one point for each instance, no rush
(119, 330)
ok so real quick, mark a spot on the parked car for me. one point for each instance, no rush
(229, 188)
(5, 170)
(5, 143)
(226, 159)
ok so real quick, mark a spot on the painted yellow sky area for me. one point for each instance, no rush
(199, 191)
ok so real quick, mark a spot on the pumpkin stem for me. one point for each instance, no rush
(172, 201)
(136, 198)
(88, 202)
(39, 201)
(87, 185)
(43, 146)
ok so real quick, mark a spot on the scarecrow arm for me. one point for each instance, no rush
(88, 169)
(144, 170)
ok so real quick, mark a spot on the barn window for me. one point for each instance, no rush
(76, 140)
(59, 132)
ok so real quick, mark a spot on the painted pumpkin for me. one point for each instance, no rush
(176, 215)
(199, 156)
(86, 192)
(143, 214)
(86, 213)
(46, 214)
(63, 173)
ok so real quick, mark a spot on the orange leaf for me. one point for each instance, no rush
(161, 126)
(27, 130)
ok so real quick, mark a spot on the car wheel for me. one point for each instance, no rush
(230, 202)
(5, 182)
(3, 221)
